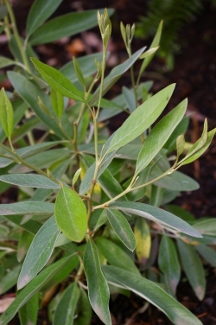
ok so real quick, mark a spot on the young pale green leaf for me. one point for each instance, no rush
(39, 252)
(196, 153)
(208, 253)
(65, 25)
(154, 44)
(84, 310)
(9, 280)
(57, 101)
(122, 228)
(66, 308)
(38, 13)
(115, 255)
(85, 62)
(27, 207)
(78, 72)
(140, 120)
(159, 135)
(171, 269)
(36, 284)
(29, 312)
(143, 240)
(29, 180)
(98, 290)
(5, 62)
(206, 226)
(164, 218)
(30, 92)
(58, 81)
(70, 214)
(6, 114)
(150, 291)
(76, 176)
(180, 145)
(193, 268)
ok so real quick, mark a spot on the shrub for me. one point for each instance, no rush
(87, 215)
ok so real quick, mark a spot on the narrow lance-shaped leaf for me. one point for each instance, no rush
(164, 218)
(66, 308)
(171, 269)
(151, 292)
(6, 114)
(154, 44)
(98, 290)
(122, 228)
(57, 101)
(39, 12)
(115, 74)
(5, 62)
(28, 313)
(27, 207)
(143, 240)
(58, 81)
(115, 255)
(84, 310)
(70, 214)
(29, 180)
(159, 135)
(39, 252)
(36, 284)
(65, 25)
(140, 120)
(193, 268)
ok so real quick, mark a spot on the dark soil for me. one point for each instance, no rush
(195, 75)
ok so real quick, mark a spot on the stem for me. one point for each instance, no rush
(131, 188)
(16, 35)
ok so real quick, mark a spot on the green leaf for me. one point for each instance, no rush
(208, 253)
(78, 71)
(193, 268)
(115, 74)
(27, 207)
(84, 310)
(109, 184)
(122, 228)
(57, 101)
(157, 215)
(206, 226)
(87, 66)
(155, 43)
(130, 101)
(29, 180)
(29, 312)
(115, 255)
(58, 81)
(5, 62)
(70, 214)
(66, 308)
(39, 12)
(140, 120)
(39, 252)
(172, 269)
(35, 285)
(98, 290)
(6, 114)
(30, 92)
(143, 240)
(10, 279)
(24, 243)
(65, 25)
(159, 135)
(151, 292)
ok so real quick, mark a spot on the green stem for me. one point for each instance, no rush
(130, 188)
(16, 35)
